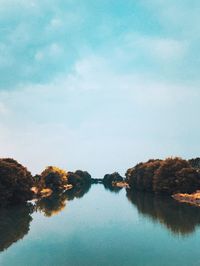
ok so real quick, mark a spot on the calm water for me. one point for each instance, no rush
(101, 228)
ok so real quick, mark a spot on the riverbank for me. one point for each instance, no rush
(192, 199)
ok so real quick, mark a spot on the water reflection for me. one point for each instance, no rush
(78, 191)
(54, 204)
(112, 188)
(14, 224)
(180, 218)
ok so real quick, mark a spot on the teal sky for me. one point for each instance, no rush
(99, 85)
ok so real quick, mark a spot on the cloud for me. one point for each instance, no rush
(41, 40)
(98, 86)
(91, 117)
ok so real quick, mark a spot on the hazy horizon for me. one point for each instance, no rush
(98, 85)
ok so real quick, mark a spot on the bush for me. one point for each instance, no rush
(15, 182)
(53, 178)
(169, 176)
(195, 163)
(110, 179)
(141, 176)
(174, 176)
(79, 178)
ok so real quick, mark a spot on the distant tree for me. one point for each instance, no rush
(195, 163)
(15, 182)
(141, 176)
(79, 178)
(168, 176)
(176, 175)
(53, 178)
(114, 177)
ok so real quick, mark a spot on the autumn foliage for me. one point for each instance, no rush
(168, 176)
(15, 182)
(53, 178)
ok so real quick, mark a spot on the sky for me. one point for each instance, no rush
(99, 85)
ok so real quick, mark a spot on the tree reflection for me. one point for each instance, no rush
(52, 205)
(55, 203)
(179, 218)
(78, 191)
(112, 188)
(14, 224)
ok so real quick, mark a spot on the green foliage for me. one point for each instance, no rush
(15, 182)
(168, 176)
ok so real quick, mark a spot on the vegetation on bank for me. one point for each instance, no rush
(193, 199)
(15, 183)
(169, 176)
(110, 181)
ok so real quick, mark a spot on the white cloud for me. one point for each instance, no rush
(160, 48)
(99, 120)
(3, 109)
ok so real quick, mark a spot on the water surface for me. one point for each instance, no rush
(101, 228)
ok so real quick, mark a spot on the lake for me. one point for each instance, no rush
(101, 227)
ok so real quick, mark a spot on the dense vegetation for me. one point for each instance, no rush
(79, 178)
(168, 176)
(53, 178)
(110, 180)
(15, 182)
(195, 163)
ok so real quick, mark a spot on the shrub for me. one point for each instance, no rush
(195, 163)
(168, 176)
(79, 178)
(15, 182)
(110, 178)
(175, 175)
(141, 176)
(53, 178)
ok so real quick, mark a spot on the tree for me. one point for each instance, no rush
(79, 178)
(15, 182)
(175, 175)
(141, 176)
(53, 178)
(168, 176)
